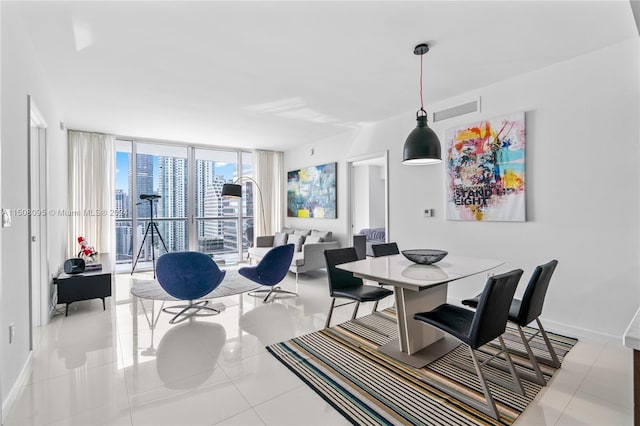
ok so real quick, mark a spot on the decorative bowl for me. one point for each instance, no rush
(425, 256)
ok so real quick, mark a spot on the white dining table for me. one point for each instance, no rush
(418, 288)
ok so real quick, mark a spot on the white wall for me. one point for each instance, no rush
(368, 197)
(360, 198)
(376, 197)
(324, 152)
(582, 187)
(21, 76)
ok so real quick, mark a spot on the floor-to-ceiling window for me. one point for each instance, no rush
(124, 203)
(181, 186)
(161, 193)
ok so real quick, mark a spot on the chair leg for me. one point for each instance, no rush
(268, 294)
(270, 291)
(355, 311)
(333, 302)
(555, 362)
(491, 408)
(183, 313)
(514, 374)
(375, 306)
(539, 377)
(515, 384)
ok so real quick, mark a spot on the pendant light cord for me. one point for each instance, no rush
(420, 50)
(421, 99)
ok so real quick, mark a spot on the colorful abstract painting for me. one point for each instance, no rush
(485, 170)
(311, 192)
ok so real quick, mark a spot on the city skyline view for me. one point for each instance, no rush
(166, 174)
(227, 170)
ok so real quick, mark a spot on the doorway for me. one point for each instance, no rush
(368, 193)
(37, 205)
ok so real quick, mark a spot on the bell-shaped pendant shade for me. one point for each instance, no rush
(422, 145)
(232, 190)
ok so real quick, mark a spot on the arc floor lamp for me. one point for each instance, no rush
(234, 190)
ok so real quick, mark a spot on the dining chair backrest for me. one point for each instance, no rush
(386, 249)
(492, 313)
(535, 293)
(338, 278)
(360, 244)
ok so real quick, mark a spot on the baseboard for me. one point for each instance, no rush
(578, 332)
(568, 329)
(14, 393)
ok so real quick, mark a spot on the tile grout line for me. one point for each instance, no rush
(581, 381)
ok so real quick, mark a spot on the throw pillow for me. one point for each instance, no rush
(324, 235)
(378, 235)
(279, 239)
(312, 239)
(295, 239)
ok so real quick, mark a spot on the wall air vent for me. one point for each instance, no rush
(457, 110)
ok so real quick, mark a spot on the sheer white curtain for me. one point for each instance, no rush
(91, 190)
(268, 169)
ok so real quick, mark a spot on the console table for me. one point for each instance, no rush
(85, 286)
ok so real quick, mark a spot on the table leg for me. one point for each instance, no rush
(413, 334)
(418, 344)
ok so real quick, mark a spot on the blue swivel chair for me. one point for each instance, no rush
(188, 275)
(270, 271)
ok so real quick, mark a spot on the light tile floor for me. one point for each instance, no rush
(110, 367)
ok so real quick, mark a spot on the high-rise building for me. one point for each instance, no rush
(123, 228)
(124, 252)
(210, 236)
(204, 176)
(122, 207)
(172, 187)
(144, 183)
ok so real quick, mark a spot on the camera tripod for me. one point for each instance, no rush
(150, 228)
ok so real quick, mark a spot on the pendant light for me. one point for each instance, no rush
(422, 145)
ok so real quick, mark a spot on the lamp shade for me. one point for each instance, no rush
(232, 190)
(422, 145)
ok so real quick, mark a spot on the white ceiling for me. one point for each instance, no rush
(274, 75)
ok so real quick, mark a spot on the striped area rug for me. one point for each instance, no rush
(342, 364)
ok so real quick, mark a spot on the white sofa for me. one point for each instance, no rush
(310, 247)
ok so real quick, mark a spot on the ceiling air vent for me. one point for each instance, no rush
(457, 110)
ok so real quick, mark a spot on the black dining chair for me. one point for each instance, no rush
(385, 249)
(345, 285)
(479, 327)
(522, 312)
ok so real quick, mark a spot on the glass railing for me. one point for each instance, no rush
(217, 237)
